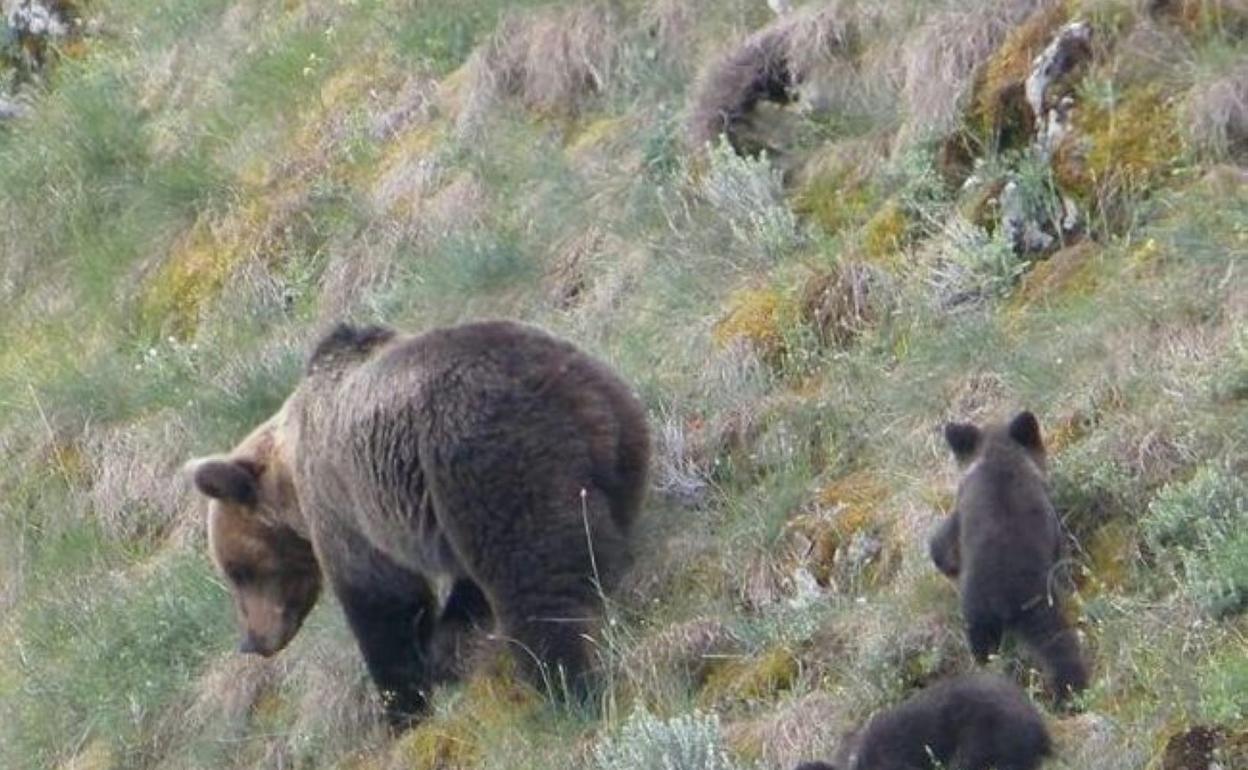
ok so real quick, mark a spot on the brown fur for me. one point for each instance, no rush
(1002, 543)
(443, 480)
(766, 67)
(973, 722)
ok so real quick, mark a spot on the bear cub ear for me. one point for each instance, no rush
(963, 438)
(231, 481)
(1025, 429)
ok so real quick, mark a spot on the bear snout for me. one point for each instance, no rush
(250, 644)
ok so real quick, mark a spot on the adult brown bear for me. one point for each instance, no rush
(1002, 543)
(457, 476)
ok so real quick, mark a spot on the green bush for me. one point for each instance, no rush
(1201, 526)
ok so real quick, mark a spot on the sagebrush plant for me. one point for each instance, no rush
(686, 742)
(749, 194)
(798, 324)
(1204, 523)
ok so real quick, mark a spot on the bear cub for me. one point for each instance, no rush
(971, 722)
(484, 476)
(1001, 544)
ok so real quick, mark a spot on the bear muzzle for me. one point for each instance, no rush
(250, 644)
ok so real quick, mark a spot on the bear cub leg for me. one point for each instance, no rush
(984, 633)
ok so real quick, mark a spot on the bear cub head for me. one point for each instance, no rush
(255, 537)
(1020, 437)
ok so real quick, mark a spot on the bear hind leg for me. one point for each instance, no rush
(539, 575)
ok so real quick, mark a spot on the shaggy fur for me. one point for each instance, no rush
(974, 722)
(1001, 545)
(766, 67)
(443, 481)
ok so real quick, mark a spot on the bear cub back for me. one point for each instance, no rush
(1002, 543)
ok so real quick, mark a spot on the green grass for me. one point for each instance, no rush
(248, 131)
(103, 654)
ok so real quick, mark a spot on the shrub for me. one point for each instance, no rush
(687, 742)
(748, 193)
(1203, 524)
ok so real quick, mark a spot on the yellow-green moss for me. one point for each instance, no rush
(1067, 273)
(1111, 551)
(856, 499)
(97, 755)
(1121, 149)
(755, 316)
(492, 702)
(886, 233)
(835, 200)
(751, 680)
(195, 272)
(595, 134)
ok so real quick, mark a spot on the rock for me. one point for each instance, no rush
(10, 110)
(1069, 50)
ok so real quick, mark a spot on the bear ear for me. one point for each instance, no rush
(1025, 429)
(963, 438)
(233, 481)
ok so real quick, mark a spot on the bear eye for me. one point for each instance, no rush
(240, 573)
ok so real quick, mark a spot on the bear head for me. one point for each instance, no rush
(1020, 436)
(257, 538)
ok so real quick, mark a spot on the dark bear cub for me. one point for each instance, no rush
(973, 722)
(478, 477)
(1001, 545)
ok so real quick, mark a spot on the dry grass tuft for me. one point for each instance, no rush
(553, 62)
(1217, 114)
(687, 652)
(842, 303)
(810, 727)
(136, 490)
(568, 277)
(766, 66)
(940, 60)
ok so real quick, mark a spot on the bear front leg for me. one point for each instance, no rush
(392, 613)
(943, 546)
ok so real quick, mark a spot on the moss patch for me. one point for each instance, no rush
(1068, 273)
(491, 703)
(1122, 148)
(761, 678)
(756, 317)
(886, 233)
(195, 271)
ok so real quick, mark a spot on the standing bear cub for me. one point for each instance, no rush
(1001, 544)
(481, 474)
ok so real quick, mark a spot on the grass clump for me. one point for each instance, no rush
(1203, 524)
(686, 742)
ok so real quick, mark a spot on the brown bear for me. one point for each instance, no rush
(971, 722)
(453, 478)
(1002, 543)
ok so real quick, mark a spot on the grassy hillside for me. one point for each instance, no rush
(196, 187)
